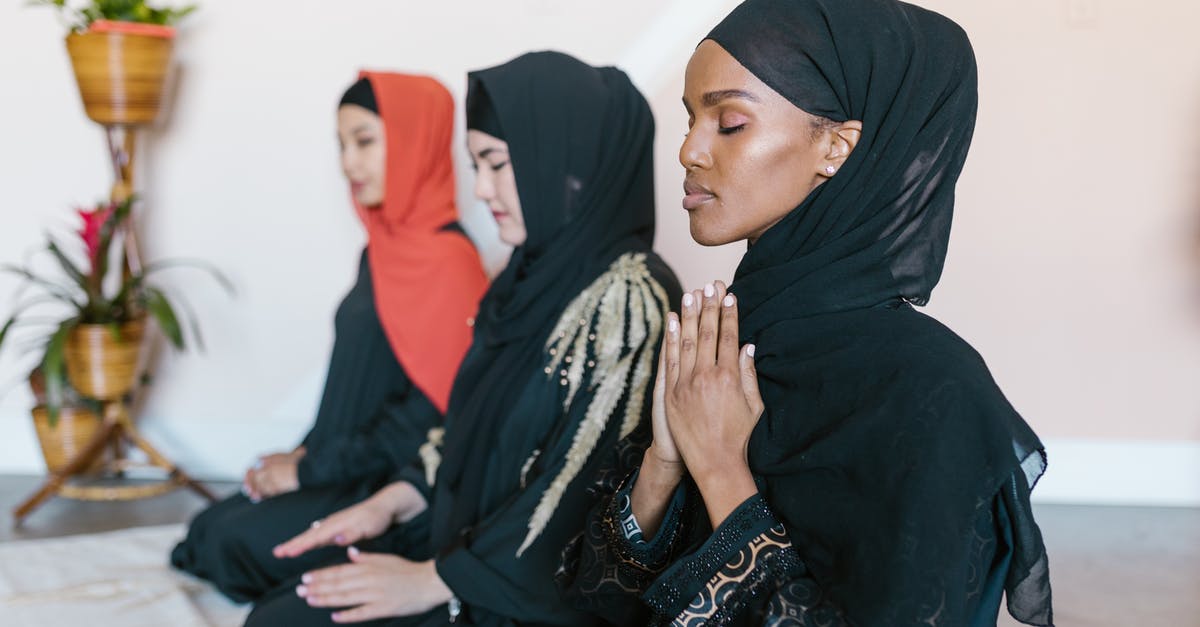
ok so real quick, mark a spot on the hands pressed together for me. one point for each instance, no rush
(706, 404)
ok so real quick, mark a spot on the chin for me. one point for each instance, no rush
(708, 234)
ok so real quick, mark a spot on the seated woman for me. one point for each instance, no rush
(853, 462)
(562, 361)
(401, 333)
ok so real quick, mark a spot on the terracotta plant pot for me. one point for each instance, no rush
(121, 69)
(62, 442)
(102, 364)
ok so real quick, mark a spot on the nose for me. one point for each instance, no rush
(694, 152)
(484, 189)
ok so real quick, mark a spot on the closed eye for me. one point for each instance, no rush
(730, 130)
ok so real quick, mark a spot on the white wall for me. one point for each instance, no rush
(1072, 265)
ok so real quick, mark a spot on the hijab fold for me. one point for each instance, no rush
(427, 279)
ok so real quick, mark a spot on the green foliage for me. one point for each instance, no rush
(83, 14)
(80, 291)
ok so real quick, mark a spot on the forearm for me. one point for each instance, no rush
(724, 485)
(651, 495)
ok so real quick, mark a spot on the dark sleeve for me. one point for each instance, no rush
(492, 568)
(747, 572)
(606, 569)
(387, 442)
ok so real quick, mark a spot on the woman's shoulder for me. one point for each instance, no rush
(640, 281)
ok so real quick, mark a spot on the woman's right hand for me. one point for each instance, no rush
(366, 520)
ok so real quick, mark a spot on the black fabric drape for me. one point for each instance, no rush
(581, 144)
(884, 432)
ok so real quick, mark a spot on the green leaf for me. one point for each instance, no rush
(159, 307)
(70, 268)
(54, 369)
(194, 264)
(6, 328)
(58, 291)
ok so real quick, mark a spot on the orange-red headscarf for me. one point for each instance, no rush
(427, 280)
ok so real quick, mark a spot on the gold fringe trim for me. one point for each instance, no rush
(607, 336)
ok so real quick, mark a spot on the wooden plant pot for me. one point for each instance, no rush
(121, 69)
(102, 364)
(68, 437)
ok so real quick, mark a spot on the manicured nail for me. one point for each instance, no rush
(301, 591)
(353, 552)
(672, 325)
(728, 302)
(339, 538)
(688, 300)
(306, 578)
(750, 350)
(709, 290)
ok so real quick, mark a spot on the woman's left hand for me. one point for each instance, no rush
(375, 585)
(275, 474)
(712, 398)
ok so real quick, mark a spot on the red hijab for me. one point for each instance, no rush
(427, 280)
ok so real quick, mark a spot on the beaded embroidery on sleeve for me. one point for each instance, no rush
(607, 336)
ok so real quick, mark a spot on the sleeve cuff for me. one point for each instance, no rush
(625, 534)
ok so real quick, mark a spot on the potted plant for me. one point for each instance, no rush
(121, 51)
(94, 315)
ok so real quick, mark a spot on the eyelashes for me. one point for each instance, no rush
(730, 130)
(495, 168)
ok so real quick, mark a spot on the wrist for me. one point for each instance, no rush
(438, 590)
(660, 472)
(402, 501)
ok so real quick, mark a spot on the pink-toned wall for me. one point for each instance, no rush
(1072, 265)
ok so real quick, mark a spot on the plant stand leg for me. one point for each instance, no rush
(160, 460)
(83, 460)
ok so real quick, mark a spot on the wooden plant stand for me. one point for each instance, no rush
(121, 73)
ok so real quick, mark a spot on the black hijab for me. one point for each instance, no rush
(580, 140)
(885, 436)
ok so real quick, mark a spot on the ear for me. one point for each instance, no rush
(842, 140)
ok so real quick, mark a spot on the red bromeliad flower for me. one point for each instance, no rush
(93, 222)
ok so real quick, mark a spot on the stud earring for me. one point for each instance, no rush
(830, 170)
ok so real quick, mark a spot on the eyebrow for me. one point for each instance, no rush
(483, 154)
(714, 98)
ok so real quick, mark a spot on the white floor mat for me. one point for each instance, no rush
(119, 578)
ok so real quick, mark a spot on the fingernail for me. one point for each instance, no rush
(301, 591)
(339, 538)
(672, 325)
(353, 552)
(728, 302)
(750, 350)
(709, 290)
(687, 299)
(306, 578)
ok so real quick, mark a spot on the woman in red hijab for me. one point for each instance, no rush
(401, 334)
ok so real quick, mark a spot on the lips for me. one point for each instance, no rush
(356, 187)
(695, 195)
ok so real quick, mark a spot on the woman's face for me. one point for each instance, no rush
(750, 155)
(496, 184)
(364, 153)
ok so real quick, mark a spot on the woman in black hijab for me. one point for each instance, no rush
(853, 463)
(561, 364)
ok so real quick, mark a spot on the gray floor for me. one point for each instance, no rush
(1110, 566)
